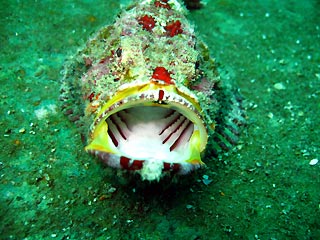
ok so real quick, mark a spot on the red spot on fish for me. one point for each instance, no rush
(135, 165)
(147, 22)
(173, 28)
(173, 167)
(162, 4)
(161, 94)
(160, 73)
(90, 97)
(124, 162)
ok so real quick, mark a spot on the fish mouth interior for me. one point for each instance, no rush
(160, 126)
(151, 132)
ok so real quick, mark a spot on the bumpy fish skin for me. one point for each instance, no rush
(149, 63)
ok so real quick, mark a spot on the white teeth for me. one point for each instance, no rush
(159, 95)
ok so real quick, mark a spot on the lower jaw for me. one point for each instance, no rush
(147, 169)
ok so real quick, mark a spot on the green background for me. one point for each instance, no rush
(266, 189)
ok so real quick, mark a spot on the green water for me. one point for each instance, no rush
(266, 189)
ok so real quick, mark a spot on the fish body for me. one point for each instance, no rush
(146, 94)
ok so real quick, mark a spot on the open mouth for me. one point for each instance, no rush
(139, 131)
(150, 128)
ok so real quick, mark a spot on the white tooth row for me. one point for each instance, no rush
(151, 95)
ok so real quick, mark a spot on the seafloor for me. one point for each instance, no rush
(266, 189)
